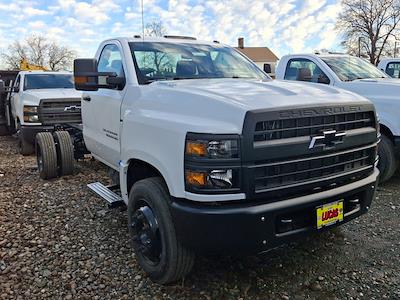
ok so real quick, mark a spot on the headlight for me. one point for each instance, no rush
(31, 114)
(217, 147)
(212, 163)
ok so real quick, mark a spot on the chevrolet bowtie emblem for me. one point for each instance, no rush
(327, 140)
(72, 108)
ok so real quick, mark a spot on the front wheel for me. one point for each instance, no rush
(151, 228)
(387, 159)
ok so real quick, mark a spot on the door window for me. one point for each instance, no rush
(305, 70)
(393, 69)
(110, 60)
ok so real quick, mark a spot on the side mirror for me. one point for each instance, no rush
(87, 77)
(323, 79)
(267, 68)
(2, 87)
(15, 89)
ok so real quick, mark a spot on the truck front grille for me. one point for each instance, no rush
(288, 128)
(280, 159)
(60, 111)
(315, 168)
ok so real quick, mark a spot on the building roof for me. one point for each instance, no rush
(259, 54)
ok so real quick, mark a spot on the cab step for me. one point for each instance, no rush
(111, 193)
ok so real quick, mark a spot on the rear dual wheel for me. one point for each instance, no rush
(55, 155)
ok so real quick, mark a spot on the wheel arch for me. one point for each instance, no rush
(386, 131)
(139, 169)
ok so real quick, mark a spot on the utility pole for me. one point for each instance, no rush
(359, 45)
(395, 49)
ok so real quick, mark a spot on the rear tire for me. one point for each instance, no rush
(169, 260)
(46, 155)
(65, 153)
(25, 148)
(387, 159)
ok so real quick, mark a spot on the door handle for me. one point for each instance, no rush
(86, 98)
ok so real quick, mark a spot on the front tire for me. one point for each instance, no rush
(387, 159)
(151, 228)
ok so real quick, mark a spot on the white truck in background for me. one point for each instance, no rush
(39, 100)
(211, 155)
(390, 66)
(358, 76)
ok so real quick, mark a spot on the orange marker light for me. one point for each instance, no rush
(196, 148)
(80, 79)
(196, 178)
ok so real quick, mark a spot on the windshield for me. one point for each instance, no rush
(168, 61)
(352, 68)
(393, 69)
(48, 81)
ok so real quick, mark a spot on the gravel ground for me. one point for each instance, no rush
(59, 241)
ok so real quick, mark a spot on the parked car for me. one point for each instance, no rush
(39, 100)
(211, 155)
(359, 76)
(390, 66)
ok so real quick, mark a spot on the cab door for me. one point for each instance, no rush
(15, 98)
(101, 110)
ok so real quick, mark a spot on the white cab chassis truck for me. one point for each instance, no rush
(390, 66)
(39, 101)
(212, 156)
(358, 76)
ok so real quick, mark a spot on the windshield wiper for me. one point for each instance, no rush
(240, 77)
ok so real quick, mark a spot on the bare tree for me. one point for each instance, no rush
(155, 29)
(159, 59)
(60, 57)
(368, 27)
(38, 50)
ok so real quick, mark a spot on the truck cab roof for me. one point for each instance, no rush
(165, 39)
(45, 72)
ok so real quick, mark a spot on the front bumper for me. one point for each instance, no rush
(29, 132)
(253, 228)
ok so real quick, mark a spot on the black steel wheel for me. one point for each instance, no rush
(46, 155)
(65, 153)
(158, 250)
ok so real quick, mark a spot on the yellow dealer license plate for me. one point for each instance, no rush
(329, 214)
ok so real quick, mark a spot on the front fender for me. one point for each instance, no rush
(388, 116)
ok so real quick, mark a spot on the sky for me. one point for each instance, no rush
(285, 26)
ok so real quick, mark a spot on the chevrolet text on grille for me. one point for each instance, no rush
(308, 112)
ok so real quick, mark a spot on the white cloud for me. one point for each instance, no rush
(284, 25)
(36, 25)
(31, 11)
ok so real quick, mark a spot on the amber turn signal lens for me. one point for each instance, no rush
(196, 178)
(196, 148)
(81, 79)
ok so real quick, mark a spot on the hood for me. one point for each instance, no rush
(374, 88)
(221, 104)
(53, 93)
(253, 95)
